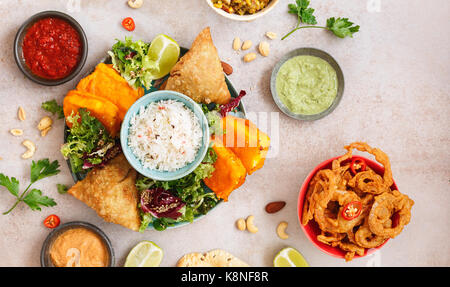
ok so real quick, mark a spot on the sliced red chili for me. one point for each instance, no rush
(52, 221)
(352, 210)
(358, 165)
(128, 23)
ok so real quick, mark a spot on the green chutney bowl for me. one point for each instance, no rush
(307, 52)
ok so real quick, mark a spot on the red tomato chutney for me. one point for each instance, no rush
(52, 48)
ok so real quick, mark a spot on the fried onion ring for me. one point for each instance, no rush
(323, 216)
(329, 237)
(384, 207)
(321, 182)
(380, 156)
(364, 237)
(368, 182)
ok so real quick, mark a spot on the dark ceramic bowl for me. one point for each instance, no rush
(45, 251)
(308, 52)
(18, 53)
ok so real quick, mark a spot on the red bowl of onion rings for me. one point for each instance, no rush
(311, 229)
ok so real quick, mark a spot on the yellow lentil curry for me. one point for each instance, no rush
(241, 7)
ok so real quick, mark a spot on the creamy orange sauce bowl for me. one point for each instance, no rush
(77, 244)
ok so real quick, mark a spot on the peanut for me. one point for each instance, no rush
(236, 44)
(247, 45)
(240, 224)
(271, 35)
(264, 48)
(249, 57)
(44, 123)
(45, 131)
(16, 132)
(21, 114)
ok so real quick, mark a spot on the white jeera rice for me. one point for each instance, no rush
(165, 135)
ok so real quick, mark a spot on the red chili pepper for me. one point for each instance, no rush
(52, 221)
(128, 23)
(352, 210)
(358, 165)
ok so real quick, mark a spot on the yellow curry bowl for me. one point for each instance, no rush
(246, 17)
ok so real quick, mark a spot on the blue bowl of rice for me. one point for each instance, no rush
(165, 135)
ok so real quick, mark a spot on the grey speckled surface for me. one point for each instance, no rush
(397, 73)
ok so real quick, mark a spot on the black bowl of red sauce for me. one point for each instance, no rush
(50, 48)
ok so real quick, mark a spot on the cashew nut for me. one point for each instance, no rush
(281, 230)
(31, 149)
(250, 225)
(135, 4)
(44, 123)
(240, 224)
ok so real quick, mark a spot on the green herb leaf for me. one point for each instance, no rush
(34, 199)
(307, 16)
(62, 189)
(11, 184)
(342, 27)
(53, 107)
(43, 168)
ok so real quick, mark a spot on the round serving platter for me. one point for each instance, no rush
(156, 84)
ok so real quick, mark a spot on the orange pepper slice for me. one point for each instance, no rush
(105, 111)
(229, 173)
(246, 141)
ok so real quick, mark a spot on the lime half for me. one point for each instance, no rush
(144, 254)
(289, 257)
(165, 52)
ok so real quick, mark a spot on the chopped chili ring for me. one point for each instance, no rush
(358, 165)
(352, 210)
(128, 23)
(52, 221)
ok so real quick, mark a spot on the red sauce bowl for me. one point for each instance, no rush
(19, 56)
(312, 229)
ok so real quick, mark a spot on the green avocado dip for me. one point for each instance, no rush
(306, 85)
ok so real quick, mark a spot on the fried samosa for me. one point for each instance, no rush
(111, 192)
(199, 73)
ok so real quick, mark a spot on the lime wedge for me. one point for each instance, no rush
(165, 52)
(144, 254)
(289, 257)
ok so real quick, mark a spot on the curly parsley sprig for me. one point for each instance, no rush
(341, 27)
(33, 198)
